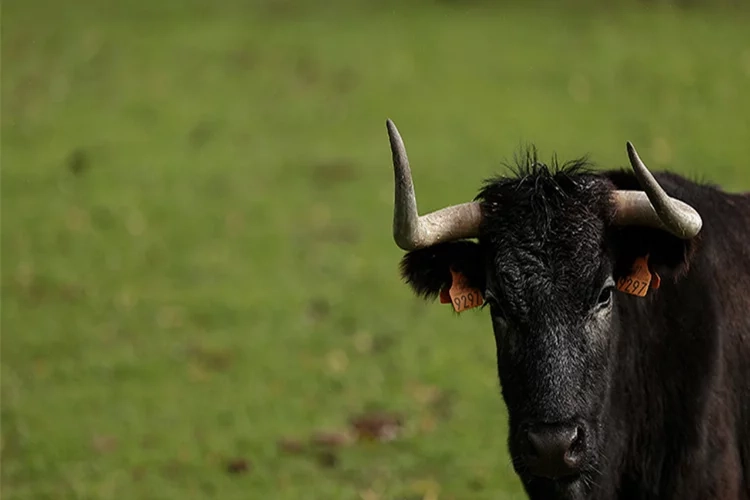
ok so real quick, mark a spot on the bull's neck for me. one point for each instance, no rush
(656, 399)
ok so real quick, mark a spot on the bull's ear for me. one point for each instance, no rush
(668, 255)
(428, 270)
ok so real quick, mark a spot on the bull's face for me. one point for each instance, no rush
(552, 244)
(550, 288)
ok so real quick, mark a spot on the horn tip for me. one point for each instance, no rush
(635, 159)
(397, 143)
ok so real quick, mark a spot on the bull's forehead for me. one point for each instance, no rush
(545, 255)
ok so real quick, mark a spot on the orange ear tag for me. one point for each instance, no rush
(639, 279)
(462, 296)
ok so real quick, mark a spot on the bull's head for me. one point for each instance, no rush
(552, 243)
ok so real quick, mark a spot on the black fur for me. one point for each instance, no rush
(660, 385)
(427, 271)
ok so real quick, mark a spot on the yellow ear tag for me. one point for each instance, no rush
(638, 281)
(462, 295)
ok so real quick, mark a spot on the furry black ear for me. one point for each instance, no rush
(668, 255)
(428, 270)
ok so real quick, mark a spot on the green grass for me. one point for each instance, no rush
(196, 206)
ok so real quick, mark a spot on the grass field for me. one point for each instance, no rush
(196, 245)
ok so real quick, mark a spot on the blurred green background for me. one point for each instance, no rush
(198, 273)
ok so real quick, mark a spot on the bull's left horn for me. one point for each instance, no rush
(410, 231)
(653, 207)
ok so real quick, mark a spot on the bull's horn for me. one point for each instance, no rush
(410, 231)
(652, 207)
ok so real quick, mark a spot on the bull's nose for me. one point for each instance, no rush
(555, 450)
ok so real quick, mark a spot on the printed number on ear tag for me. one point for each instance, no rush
(462, 295)
(638, 281)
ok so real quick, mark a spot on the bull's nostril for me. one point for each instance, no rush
(578, 438)
(575, 434)
(555, 450)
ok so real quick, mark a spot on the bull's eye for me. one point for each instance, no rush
(605, 297)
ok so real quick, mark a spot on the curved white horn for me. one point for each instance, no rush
(653, 207)
(410, 231)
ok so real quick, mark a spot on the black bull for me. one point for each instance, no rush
(609, 394)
